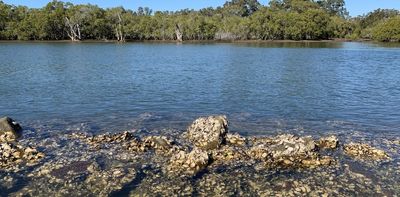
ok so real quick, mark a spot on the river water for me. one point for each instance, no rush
(260, 87)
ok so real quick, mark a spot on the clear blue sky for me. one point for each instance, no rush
(355, 7)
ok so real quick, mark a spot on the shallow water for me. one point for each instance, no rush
(113, 87)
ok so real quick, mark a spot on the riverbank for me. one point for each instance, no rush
(185, 41)
(206, 159)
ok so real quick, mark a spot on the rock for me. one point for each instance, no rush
(158, 142)
(330, 142)
(290, 146)
(260, 152)
(235, 139)
(11, 154)
(288, 151)
(161, 144)
(189, 163)
(208, 133)
(9, 130)
(365, 152)
(228, 154)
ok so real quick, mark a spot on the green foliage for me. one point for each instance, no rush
(366, 25)
(236, 19)
(241, 8)
(387, 30)
(334, 7)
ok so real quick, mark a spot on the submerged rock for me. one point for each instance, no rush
(9, 130)
(330, 142)
(365, 152)
(208, 133)
(104, 138)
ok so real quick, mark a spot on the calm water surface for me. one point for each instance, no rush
(100, 86)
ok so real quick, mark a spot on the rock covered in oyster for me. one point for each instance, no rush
(288, 150)
(365, 152)
(235, 139)
(290, 145)
(158, 142)
(330, 142)
(11, 154)
(208, 133)
(260, 152)
(161, 144)
(189, 163)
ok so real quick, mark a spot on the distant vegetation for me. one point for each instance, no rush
(235, 20)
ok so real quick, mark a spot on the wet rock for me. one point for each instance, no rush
(74, 167)
(104, 182)
(158, 142)
(330, 142)
(228, 154)
(189, 163)
(235, 139)
(289, 145)
(365, 152)
(208, 132)
(218, 185)
(11, 154)
(164, 186)
(288, 151)
(9, 130)
(135, 145)
(260, 152)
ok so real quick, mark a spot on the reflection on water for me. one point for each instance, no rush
(110, 85)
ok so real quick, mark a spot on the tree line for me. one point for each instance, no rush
(235, 20)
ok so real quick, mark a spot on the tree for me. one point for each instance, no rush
(334, 7)
(4, 13)
(115, 18)
(79, 21)
(241, 8)
(54, 20)
(236, 19)
(387, 30)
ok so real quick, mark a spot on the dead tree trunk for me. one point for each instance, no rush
(178, 32)
(119, 33)
(74, 31)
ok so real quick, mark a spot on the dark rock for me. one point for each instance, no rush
(9, 129)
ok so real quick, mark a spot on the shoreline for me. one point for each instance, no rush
(195, 41)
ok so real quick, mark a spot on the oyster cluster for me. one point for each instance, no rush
(11, 152)
(190, 163)
(365, 152)
(288, 151)
(330, 142)
(205, 160)
(208, 133)
(235, 139)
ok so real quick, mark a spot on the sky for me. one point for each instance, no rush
(355, 7)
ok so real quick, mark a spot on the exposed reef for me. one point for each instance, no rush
(206, 159)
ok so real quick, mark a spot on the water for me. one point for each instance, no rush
(115, 87)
